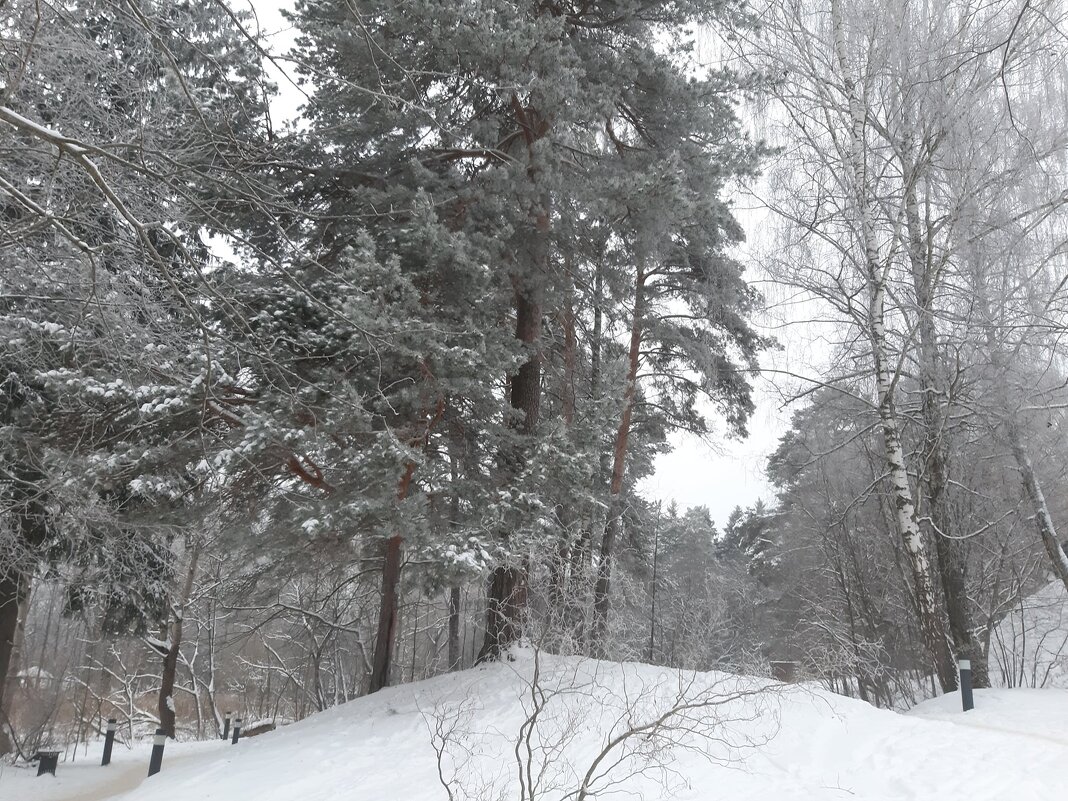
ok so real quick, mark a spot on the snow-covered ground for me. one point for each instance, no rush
(82, 779)
(768, 742)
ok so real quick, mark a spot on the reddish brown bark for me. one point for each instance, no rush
(311, 475)
(386, 635)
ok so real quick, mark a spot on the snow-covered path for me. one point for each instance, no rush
(786, 744)
(85, 780)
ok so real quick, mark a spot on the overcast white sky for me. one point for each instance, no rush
(725, 473)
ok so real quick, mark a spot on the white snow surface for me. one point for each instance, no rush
(788, 743)
(35, 672)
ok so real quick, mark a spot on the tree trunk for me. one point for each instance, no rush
(602, 588)
(952, 552)
(386, 633)
(952, 567)
(568, 394)
(652, 587)
(506, 595)
(928, 610)
(454, 629)
(1043, 521)
(566, 513)
(581, 559)
(463, 462)
(13, 589)
(506, 599)
(381, 661)
(165, 706)
(30, 531)
(1047, 531)
(385, 638)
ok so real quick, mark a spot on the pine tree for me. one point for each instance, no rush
(111, 153)
(519, 121)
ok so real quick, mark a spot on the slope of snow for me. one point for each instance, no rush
(1029, 647)
(767, 742)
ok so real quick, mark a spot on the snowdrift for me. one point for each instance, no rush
(734, 738)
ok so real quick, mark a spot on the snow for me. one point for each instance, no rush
(1036, 715)
(162, 646)
(35, 673)
(83, 779)
(783, 742)
(1029, 647)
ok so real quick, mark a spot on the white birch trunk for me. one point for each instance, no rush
(904, 506)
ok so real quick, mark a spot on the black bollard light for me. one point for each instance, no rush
(156, 761)
(237, 732)
(966, 684)
(109, 741)
(226, 726)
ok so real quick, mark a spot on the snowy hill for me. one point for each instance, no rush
(739, 739)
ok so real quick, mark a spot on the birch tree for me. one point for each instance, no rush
(832, 67)
(879, 122)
